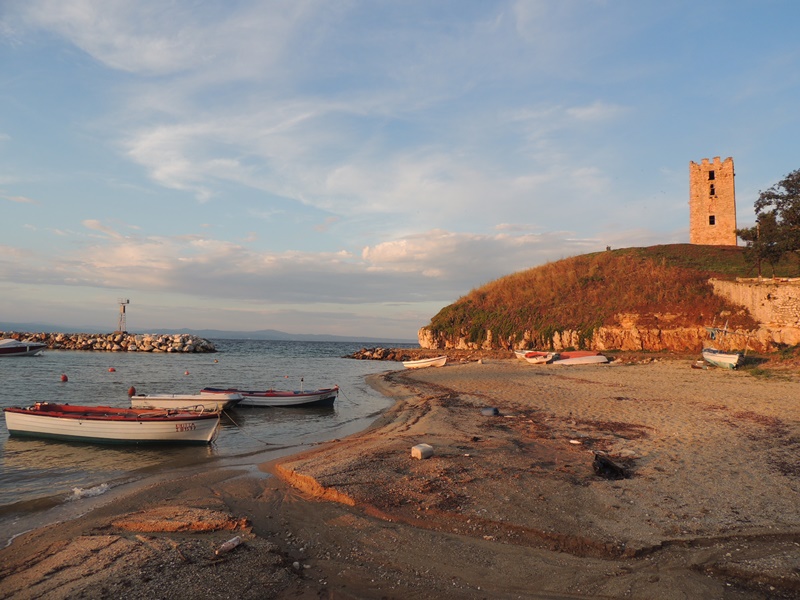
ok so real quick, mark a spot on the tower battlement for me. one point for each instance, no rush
(712, 202)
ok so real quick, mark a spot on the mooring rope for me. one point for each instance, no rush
(239, 427)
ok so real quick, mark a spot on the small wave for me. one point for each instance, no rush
(78, 493)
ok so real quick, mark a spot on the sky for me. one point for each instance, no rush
(351, 167)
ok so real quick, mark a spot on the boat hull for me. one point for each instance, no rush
(595, 359)
(10, 347)
(541, 358)
(194, 402)
(278, 398)
(723, 360)
(438, 361)
(110, 425)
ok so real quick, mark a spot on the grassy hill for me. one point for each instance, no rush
(585, 292)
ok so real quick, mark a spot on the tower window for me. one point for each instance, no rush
(712, 220)
(711, 190)
(711, 175)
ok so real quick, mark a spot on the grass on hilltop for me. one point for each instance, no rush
(666, 283)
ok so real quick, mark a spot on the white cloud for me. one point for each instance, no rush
(96, 225)
(435, 265)
(597, 111)
(158, 38)
(19, 199)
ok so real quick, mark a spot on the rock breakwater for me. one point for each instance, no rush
(117, 342)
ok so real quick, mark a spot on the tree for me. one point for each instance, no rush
(777, 229)
(764, 241)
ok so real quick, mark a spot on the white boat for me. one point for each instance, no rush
(320, 397)
(520, 354)
(194, 402)
(11, 347)
(540, 358)
(111, 425)
(591, 359)
(722, 359)
(437, 361)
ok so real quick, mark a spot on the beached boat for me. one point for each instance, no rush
(578, 353)
(320, 397)
(540, 358)
(111, 425)
(520, 354)
(11, 347)
(580, 358)
(195, 402)
(722, 359)
(437, 361)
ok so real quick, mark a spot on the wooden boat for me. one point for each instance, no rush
(320, 397)
(12, 347)
(541, 358)
(438, 361)
(194, 402)
(722, 359)
(111, 425)
(578, 353)
(581, 358)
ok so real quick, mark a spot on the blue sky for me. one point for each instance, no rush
(352, 167)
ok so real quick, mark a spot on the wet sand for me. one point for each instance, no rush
(508, 506)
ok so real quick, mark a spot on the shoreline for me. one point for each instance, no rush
(508, 505)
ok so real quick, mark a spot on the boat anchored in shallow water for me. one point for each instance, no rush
(195, 402)
(111, 425)
(320, 397)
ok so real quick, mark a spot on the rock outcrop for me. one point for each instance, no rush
(628, 337)
(773, 303)
(117, 342)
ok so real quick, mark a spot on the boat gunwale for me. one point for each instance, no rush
(109, 413)
(271, 393)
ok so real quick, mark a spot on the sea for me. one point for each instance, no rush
(44, 481)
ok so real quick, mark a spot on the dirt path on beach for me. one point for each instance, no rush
(509, 505)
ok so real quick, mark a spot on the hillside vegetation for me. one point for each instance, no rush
(659, 283)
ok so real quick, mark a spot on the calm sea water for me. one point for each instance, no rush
(38, 476)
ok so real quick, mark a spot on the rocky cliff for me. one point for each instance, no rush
(774, 303)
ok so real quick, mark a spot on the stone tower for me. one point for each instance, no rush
(712, 203)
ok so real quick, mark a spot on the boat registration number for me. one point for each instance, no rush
(185, 427)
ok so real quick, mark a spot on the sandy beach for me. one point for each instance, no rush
(510, 505)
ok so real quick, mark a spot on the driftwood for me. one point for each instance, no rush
(608, 469)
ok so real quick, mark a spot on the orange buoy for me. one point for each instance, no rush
(64, 377)
(186, 372)
(131, 391)
(111, 369)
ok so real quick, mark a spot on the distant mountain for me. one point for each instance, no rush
(46, 328)
(263, 334)
(282, 336)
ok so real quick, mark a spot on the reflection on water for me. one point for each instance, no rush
(34, 472)
(26, 462)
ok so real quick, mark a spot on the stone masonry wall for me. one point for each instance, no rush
(712, 195)
(770, 301)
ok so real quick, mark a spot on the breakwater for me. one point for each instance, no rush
(117, 342)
